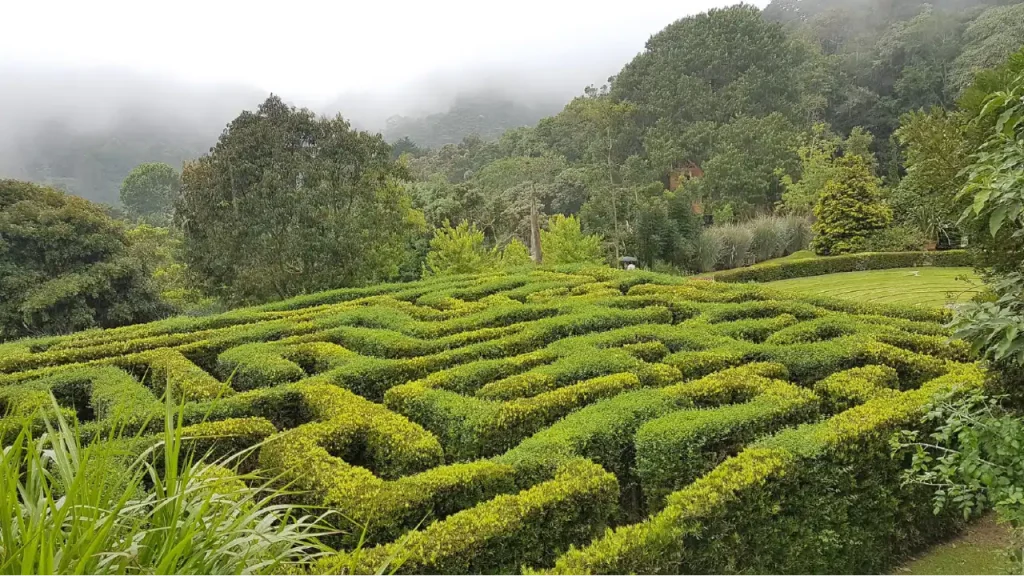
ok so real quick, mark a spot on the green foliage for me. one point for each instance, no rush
(818, 166)
(510, 187)
(996, 214)
(532, 527)
(565, 243)
(988, 40)
(936, 154)
(72, 508)
(798, 482)
(149, 192)
(817, 266)
(502, 422)
(515, 254)
(160, 248)
(744, 162)
(899, 238)
(458, 250)
(849, 209)
(65, 265)
(264, 217)
(968, 457)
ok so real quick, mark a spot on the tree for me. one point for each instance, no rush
(916, 57)
(849, 209)
(995, 215)
(817, 165)
(565, 243)
(405, 145)
(515, 255)
(745, 162)
(458, 250)
(65, 265)
(987, 42)
(935, 155)
(680, 77)
(289, 203)
(160, 249)
(149, 191)
(512, 189)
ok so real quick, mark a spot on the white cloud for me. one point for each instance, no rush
(316, 49)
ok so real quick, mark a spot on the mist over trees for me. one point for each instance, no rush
(84, 131)
(712, 148)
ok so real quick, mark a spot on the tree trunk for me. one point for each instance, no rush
(611, 182)
(534, 228)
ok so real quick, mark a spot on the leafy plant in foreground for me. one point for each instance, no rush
(972, 459)
(98, 509)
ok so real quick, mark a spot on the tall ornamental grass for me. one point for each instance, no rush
(734, 245)
(69, 508)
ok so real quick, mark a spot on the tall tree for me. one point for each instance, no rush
(718, 65)
(513, 189)
(935, 156)
(289, 203)
(65, 265)
(987, 42)
(149, 191)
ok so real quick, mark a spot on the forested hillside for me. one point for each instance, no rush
(92, 163)
(485, 115)
(692, 92)
(750, 112)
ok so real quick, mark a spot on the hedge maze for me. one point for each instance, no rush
(584, 421)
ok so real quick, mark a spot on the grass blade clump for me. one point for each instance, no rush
(106, 508)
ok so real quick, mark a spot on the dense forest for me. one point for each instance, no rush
(735, 136)
(485, 115)
(751, 110)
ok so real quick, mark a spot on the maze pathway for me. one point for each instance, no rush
(594, 421)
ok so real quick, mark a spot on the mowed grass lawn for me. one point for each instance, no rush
(926, 286)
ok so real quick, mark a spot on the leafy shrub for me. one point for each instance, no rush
(515, 255)
(501, 422)
(901, 238)
(849, 209)
(67, 266)
(458, 250)
(565, 243)
(791, 482)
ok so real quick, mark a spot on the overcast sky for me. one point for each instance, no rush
(314, 50)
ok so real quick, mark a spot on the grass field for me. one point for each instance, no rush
(924, 286)
(981, 549)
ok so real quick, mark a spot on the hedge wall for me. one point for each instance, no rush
(783, 270)
(575, 420)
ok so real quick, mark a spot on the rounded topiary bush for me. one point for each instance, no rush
(849, 209)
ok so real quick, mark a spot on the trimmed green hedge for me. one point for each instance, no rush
(503, 534)
(493, 423)
(786, 269)
(823, 498)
